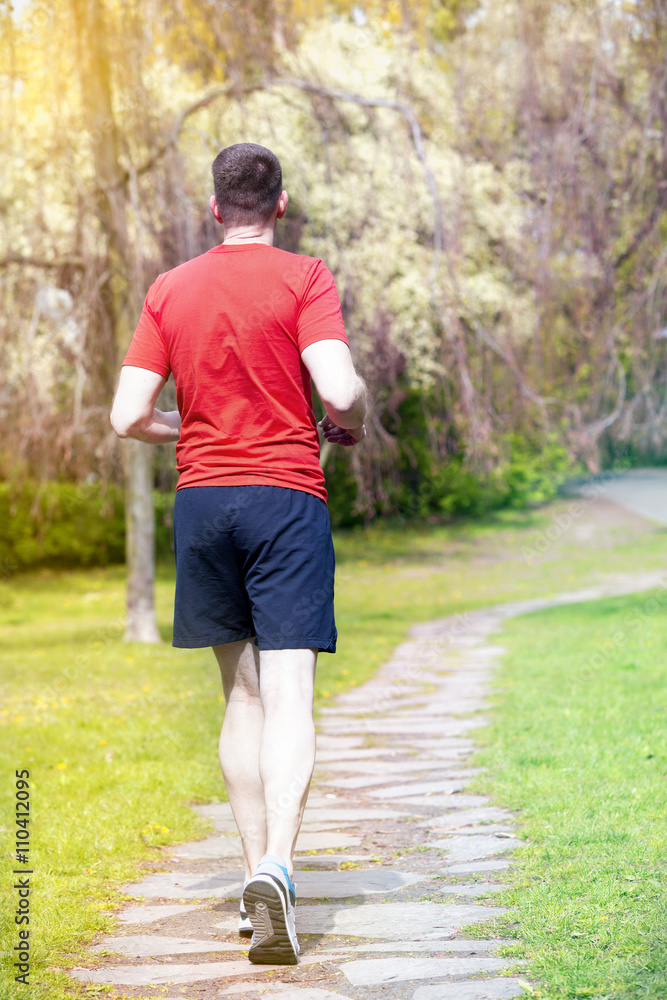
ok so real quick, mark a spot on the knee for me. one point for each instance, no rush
(289, 703)
(243, 696)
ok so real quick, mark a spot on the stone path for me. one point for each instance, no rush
(398, 865)
(643, 491)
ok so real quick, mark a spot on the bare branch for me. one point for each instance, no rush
(14, 258)
(644, 230)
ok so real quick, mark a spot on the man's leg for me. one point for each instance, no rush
(287, 749)
(240, 740)
(286, 760)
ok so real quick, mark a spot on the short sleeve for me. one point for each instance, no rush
(148, 348)
(319, 316)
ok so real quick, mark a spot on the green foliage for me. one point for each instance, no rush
(70, 524)
(76, 524)
(431, 482)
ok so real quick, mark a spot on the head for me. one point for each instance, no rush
(248, 185)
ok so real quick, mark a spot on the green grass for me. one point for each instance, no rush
(119, 739)
(579, 746)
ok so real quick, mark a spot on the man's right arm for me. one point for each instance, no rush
(339, 387)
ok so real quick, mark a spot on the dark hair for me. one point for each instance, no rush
(247, 180)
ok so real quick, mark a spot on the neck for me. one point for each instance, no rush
(249, 234)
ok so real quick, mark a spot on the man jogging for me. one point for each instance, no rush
(243, 328)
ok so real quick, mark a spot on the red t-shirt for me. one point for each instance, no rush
(231, 325)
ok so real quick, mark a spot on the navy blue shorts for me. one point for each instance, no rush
(253, 561)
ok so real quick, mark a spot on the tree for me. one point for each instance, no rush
(121, 299)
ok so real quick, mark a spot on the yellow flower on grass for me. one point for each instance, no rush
(28, 749)
(61, 766)
(345, 672)
(326, 694)
(5, 711)
(221, 697)
(18, 718)
(146, 687)
(129, 659)
(103, 743)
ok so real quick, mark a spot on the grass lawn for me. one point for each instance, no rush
(120, 738)
(579, 746)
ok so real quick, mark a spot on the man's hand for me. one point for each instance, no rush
(341, 435)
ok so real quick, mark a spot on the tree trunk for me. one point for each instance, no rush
(122, 302)
(141, 625)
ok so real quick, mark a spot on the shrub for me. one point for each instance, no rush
(70, 524)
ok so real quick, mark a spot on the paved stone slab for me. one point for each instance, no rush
(456, 946)
(373, 971)
(437, 727)
(442, 801)
(331, 861)
(444, 743)
(354, 814)
(375, 781)
(390, 767)
(329, 741)
(418, 788)
(150, 914)
(221, 812)
(213, 847)
(147, 945)
(328, 800)
(315, 827)
(486, 829)
(299, 993)
(145, 975)
(285, 992)
(325, 841)
(460, 848)
(365, 753)
(310, 885)
(432, 921)
(184, 885)
(466, 817)
(482, 989)
(230, 847)
(216, 810)
(472, 867)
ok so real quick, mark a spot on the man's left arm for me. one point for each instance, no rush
(134, 414)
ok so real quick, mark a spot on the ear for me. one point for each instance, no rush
(213, 205)
(283, 201)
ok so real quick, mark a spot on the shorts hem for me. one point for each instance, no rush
(219, 639)
(321, 645)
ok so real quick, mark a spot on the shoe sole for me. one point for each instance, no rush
(265, 907)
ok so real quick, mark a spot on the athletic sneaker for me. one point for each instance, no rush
(269, 900)
(245, 925)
